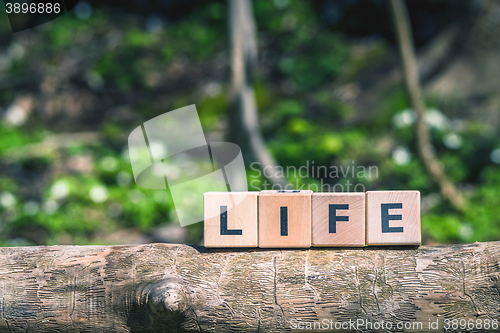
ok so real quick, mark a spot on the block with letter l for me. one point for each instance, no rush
(285, 219)
(230, 219)
(393, 218)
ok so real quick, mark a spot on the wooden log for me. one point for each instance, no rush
(177, 288)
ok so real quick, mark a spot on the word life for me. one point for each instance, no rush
(301, 219)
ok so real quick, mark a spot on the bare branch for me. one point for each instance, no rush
(410, 69)
(243, 117)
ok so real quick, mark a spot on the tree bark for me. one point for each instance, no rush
(178, 288)
(410, 70)
(244, 126)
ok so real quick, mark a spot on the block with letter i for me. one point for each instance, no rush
(338, 219)
(285, 219)
(230, 219)
(393, 218)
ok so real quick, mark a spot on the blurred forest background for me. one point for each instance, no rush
(329, 88)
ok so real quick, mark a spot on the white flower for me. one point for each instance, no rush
(436, 119)
(495, 156)
(158, 149)
(98, 194)
(15, 51)
(59, 190)
(109, 163)
(16, 115)
(452, 141)
(50, 206)
(404, 118)
(465, 231)
(7, 200)
(401, 155)
(433, 117)
(212, 89)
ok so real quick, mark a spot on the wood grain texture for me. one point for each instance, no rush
(347, 233)
(178, 288)
(406, 230)
(288, 211)
(240, 217)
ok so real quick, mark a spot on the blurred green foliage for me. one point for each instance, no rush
(306, 76)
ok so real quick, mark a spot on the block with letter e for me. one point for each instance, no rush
(230, 219)
(393, 218)
(338, 219)
(285, 219)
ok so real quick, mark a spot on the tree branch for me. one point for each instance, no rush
(178, 288)
(244, 126)
(410, 70)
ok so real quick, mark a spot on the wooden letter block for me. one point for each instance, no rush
(230, 219)
(338, 219)
(393, 218)
(285, 219)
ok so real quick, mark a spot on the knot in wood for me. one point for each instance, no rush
(167, 296)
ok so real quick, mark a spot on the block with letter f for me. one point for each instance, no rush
(338, 219)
